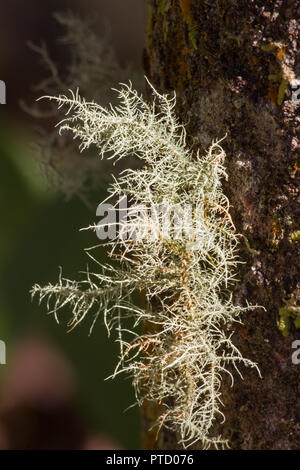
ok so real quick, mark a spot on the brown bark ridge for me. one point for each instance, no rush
(231, 64)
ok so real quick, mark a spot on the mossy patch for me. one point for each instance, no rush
(295, 236)
(288, 314)
(191, 24)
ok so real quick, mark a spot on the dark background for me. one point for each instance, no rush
(52, 389)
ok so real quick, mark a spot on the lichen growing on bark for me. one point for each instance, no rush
(187, 274)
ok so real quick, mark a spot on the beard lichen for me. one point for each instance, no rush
(178, 361)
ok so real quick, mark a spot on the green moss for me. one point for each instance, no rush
(284, 324)
(279, 76)
(295, 236)
(268, 47)
(251, 250)
(275, 77)
(161, 5)
(281, 90)
(283, 83)
(287, 314)
(192, 27)
(188, 18)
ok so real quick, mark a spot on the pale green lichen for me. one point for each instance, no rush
(179, 360)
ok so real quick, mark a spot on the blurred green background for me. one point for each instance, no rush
(39, 233)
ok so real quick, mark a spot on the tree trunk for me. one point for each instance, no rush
(231, 64)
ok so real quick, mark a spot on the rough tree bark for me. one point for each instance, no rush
(231, 63)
